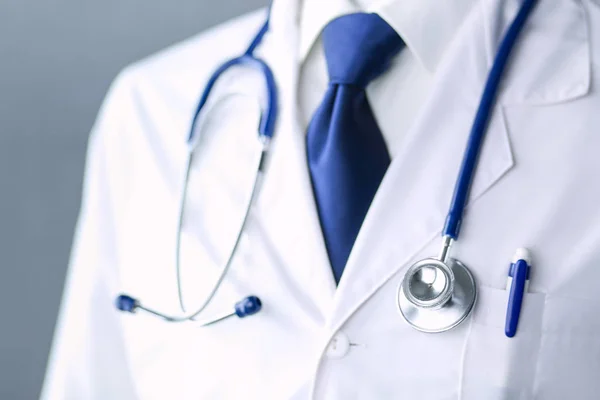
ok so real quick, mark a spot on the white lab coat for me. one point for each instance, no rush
(536, 186)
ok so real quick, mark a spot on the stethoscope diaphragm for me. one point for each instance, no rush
(436, 296)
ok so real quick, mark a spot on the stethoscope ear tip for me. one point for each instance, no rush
(126, 303)
(248, 306)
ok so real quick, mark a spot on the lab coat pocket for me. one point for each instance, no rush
(496, 367)
(569, 355)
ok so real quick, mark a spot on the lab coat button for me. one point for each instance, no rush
(338, 346)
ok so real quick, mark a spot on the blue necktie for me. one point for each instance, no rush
(347, 155)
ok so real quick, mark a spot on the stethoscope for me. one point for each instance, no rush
(436, 294)
(249, 305)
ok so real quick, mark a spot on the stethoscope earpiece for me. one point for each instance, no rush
(248, 306)
(126, 303)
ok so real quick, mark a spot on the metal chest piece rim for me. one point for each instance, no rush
(436, 296)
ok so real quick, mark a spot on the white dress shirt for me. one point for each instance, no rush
(426, 28)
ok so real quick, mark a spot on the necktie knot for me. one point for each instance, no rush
(358, 48)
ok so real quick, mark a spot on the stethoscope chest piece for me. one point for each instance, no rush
(436, 296)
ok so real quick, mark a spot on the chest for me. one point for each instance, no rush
(535, 187)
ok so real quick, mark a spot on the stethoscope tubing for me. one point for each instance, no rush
(253, 194)
(268, 118)
(480, 124)
(457, 292)
(266, 130)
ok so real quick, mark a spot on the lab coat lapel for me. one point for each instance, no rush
(410, 207)
(551, 62)
(287, 210)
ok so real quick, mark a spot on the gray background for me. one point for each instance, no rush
(57, 58)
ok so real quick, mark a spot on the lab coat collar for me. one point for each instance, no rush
(315, 15)
(551, 61)
(426, 26)
(284, 21)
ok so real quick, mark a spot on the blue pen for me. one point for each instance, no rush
(517, 284)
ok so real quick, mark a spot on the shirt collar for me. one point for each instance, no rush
(426, 26)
